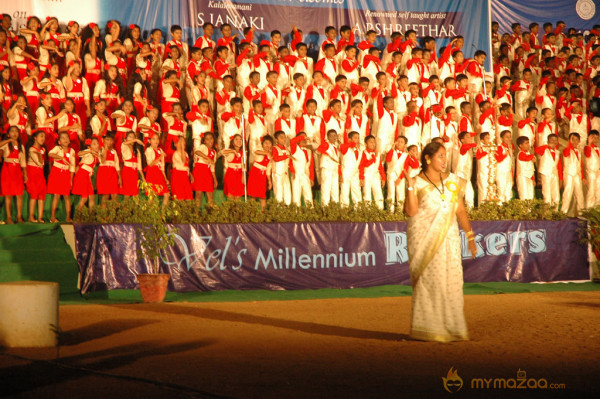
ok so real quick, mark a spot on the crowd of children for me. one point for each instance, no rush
(82, 100)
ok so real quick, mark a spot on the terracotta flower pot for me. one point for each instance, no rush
(153, 287)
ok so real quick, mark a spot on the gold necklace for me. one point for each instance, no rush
(442, 191)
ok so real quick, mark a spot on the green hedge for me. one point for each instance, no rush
(138, 210)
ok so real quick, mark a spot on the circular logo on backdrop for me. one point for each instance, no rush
(585, 9)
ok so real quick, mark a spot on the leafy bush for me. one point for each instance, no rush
(147, 211)
(516, 209)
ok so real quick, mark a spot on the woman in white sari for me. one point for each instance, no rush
(434, 204)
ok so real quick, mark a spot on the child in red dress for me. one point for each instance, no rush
(70, 123)
(45, 118)
(108, 178)
(99, 123)
(155, 171)
(132, 166)
(181, 188)
(13, 172)
(82, 183)
(148, 125)
(61, 175)
(36, 182)
(18, 115)
(125, 120)
(259, 179)
(176, 128)
(233, 186)
(205, 180)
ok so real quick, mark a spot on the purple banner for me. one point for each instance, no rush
(322, 255)
(440, 20)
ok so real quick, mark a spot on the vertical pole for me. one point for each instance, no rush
(244, 158)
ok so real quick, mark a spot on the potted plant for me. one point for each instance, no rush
(590, 235)
(154, 236)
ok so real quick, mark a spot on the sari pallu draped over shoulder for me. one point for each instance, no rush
(436, 215)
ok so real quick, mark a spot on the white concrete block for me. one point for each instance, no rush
(28, 314)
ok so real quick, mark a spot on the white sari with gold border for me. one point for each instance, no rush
(435, 263)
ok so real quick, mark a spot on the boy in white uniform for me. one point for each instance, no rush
(302, 169)
(281, 180)
(550, 169)
(572, 175)
(330, 169)
(525, 169)
(591, 161)
(504, 166)
(483, 154)
(350, 184)
(395, 160)
(372, 175)
(387, 126)
(464, 165)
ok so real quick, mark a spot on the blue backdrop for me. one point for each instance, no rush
(579, 14)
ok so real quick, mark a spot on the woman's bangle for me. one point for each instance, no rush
(470, 235)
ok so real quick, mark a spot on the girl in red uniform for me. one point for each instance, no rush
(148, 125)
(144, 61)
(181, 188)
(93, 63)
(115, 54)
(259, 179)
(45, 118)
(99, 123)
(32, 35)
(6, 91)
(233, 186)
(125, 121)
(132, 166)
(61, 175)
(14, 172)
(176, 128)
(18, 115)
(110, 88)
(70, 123)
(36, 182)
(155, 171)
(21, 57)
(170, 91)
(133, 43)
(82, 183)
(108, 178)
(205, 156)
(53, 86)
(137, 89)
(78, 90)
(30, 87)
(171, 62)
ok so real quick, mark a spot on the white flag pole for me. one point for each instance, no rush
(244, 158)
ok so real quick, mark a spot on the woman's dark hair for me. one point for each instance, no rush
(6, 135)
(31, 141)
(136, 78)
(430, 150)
(128, 35)
(69, 99)
(118, 81)
(84, 145)
(233, 139)
(86, 39)
(208, 134)
(133, 111)
(47, 71)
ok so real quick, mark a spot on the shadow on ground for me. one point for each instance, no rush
(308, 327)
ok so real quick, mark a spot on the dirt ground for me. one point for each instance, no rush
(338, 348)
